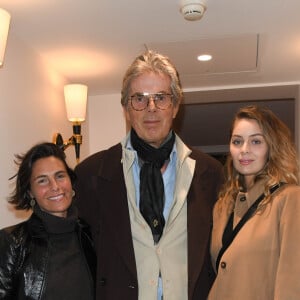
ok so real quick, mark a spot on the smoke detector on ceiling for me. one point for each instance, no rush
(192, 10)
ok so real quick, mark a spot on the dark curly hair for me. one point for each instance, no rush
(20, 197)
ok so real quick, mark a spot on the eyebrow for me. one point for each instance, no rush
(251, 135)
(45, 175)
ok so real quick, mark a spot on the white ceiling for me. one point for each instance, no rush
(254, 43)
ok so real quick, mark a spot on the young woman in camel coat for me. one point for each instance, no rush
(263, 259)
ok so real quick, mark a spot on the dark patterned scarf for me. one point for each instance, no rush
(152, 197)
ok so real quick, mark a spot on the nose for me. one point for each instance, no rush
(151, 104)
(245, 148)
(53, 184)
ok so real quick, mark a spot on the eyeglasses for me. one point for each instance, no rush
(140, 101)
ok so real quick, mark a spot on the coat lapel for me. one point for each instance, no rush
(115, 205)
(199, 223)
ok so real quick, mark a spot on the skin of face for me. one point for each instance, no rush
(248, 149)
(51, 186)
(151, 124)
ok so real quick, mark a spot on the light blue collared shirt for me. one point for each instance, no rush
(169, 178)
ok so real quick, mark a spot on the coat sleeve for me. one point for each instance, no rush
(8, 261)
(287, 278)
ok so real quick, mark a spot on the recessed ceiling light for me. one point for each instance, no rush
(204, 57)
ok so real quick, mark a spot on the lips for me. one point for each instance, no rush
(56, 198)
(150, 124)
(151, 121)
(245, 162)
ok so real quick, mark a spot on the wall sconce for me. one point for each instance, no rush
(75, 99)
(4, 26)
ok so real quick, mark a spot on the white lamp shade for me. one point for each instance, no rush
(4, 26)
(76, 99)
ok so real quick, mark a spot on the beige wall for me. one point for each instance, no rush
(31, 110)
(106, 121)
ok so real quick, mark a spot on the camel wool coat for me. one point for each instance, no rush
(263, 261)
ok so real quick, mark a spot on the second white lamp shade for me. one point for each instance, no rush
(76, 100)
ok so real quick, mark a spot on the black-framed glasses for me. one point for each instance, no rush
(140, 101)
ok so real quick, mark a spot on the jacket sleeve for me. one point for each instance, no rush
(10, 261)
(287, 278)
(6, 265)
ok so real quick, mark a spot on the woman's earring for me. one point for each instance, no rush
(73, 193)
(32, 202)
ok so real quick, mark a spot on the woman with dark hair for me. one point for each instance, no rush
(49, 256)
(255, 240)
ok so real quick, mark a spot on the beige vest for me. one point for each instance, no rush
(169, 256)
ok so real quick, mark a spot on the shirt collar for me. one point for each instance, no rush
(128, 146)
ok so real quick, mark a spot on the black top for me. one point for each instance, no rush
(67, 273)
(47, 257)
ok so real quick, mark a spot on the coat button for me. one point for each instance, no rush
(223, 265)
(131, 286)
(243, 198)
(102, 281)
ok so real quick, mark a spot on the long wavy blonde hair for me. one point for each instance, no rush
(282, 163)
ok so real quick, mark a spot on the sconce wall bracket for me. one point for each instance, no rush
(75, 139)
